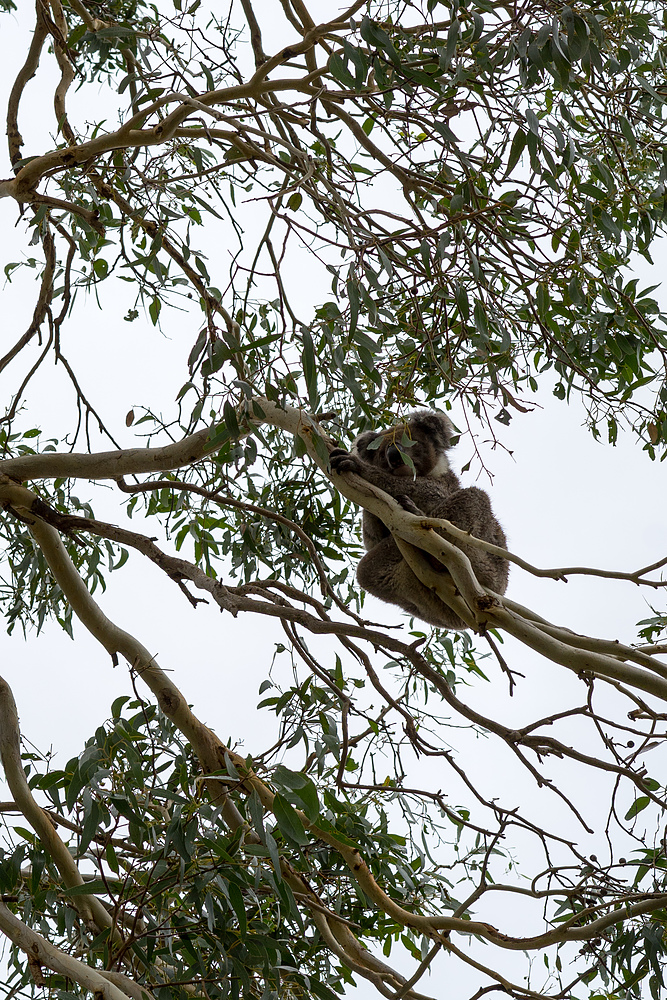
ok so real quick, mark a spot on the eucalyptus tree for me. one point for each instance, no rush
(467, 182)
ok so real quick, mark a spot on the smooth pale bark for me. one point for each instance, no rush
(42, 951)
(89, 908)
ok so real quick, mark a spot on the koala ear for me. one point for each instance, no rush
(435, 425)
(361, 443)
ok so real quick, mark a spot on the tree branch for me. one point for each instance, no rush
(103, 985)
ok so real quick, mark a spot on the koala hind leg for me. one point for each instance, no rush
(470, 510)
(384, 573)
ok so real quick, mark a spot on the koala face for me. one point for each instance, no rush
(424, 437)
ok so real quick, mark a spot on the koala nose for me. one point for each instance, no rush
(393, 455)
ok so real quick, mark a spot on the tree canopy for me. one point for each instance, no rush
(340, 214)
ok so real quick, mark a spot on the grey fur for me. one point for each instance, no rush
(431, 489)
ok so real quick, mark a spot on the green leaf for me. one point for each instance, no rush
(353, 295)
(154, 310)
(361, 64)
(309, 368)
(637, 806)
(626, 129)
(516, 149)
(338, 69)
(231, 421)
(374, 35)
(218, 436)
(112, 859)
(288, 821)
(238, 905)
(96, 887)
(299, 789)
(453, 34)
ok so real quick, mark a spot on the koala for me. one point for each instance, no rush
(431, 489)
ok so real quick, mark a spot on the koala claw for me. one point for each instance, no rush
(408, 505)
(342, 461)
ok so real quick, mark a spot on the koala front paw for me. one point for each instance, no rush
(342, 461)
(407, 504)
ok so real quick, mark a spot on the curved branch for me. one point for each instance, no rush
(59, 32)
(92, 23)
(89, 907)
(26, 73)
(43, 301)
(91, 217)
(225, 501)
(559, 572)
(109, 464)
(106, 986)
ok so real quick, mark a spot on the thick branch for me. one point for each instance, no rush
(89, 907)
(25, 74)
(109, 464)
(95, 980)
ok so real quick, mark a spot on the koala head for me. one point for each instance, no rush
(424, 436)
